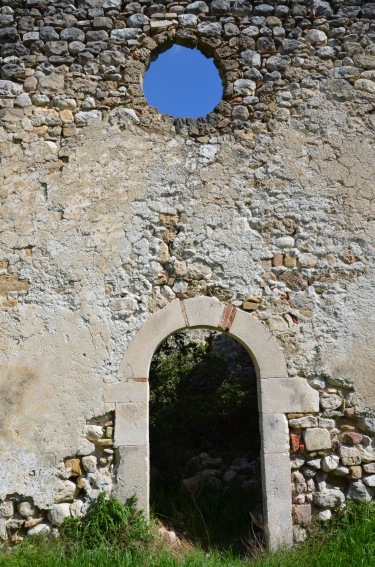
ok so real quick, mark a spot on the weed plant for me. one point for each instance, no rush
(126, 540)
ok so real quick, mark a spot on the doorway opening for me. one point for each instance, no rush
(205, 440)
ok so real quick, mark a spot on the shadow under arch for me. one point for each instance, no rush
(277, 395)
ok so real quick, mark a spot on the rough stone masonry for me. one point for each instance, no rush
(109, 211)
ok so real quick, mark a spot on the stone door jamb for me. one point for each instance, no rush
(277, 396)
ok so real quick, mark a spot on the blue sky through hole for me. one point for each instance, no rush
(183, 82)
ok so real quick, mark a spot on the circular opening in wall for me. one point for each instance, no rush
(183, 82)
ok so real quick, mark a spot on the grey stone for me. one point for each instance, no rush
(244, 87)
(303, 422)
(137, 21)
(278, 62)
(250, 57)
(332, 498)
(220, 7)
(263, 10)
(72, 34)
(330, 463)
(48, 33)
(330, 401)
(125, 33)
(188, 20)
(210, 29)
(30, 37)
(242, 8)
(198, 7)
(359, 491)
(8, 35)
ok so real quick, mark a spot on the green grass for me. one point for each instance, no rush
(113, 535)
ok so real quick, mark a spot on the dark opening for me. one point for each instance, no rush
(183, 82)
(205, 441)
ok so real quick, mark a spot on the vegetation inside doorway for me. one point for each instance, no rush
(205, 441)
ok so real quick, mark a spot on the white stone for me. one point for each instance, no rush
(324, 515)
(27, 510)
(58, 513)
(94, 432)
(330, 463)
(285, 242)
(369, 480)
(40, 529)
(316, 37)
(76, 509)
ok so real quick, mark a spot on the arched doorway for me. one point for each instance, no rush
(277, 396)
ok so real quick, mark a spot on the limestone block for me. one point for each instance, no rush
(127, 392)
(349, 455)
(131, 426)
(274, 429)
(266, 353)
(288, 395)
(137, 359)
(133, 475)
(317, 439)
(277, 506)
(203, 312)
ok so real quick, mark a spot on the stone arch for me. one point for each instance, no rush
(277, 395)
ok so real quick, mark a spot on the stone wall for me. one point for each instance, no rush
(110, 211)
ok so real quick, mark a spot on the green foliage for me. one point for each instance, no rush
(108, 523)
(347, 542)
(213, 519)
(196, 401)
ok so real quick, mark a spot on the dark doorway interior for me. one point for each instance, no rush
(205, 441)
